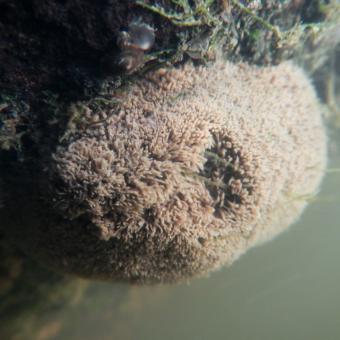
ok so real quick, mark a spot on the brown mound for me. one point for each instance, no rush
(198, 165)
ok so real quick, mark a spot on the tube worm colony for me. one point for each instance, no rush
(196, 166)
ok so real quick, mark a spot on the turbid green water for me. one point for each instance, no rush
(286, 289)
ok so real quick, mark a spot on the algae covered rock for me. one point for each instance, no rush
(194, 166)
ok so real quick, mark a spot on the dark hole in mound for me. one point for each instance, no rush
(225, 176)
(149, 215)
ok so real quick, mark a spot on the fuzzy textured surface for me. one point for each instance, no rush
(198, 165)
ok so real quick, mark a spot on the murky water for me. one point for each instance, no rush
(285, 289)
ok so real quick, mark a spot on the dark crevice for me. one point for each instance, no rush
(224, 165)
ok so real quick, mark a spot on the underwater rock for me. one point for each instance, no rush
(198, 165)
(71, 47)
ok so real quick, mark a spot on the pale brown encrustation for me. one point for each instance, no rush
(198, 165)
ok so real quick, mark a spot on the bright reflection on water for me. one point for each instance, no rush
(286, 289)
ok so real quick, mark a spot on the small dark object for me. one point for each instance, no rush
(130, 60)
(12, 114)
(139, 38)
